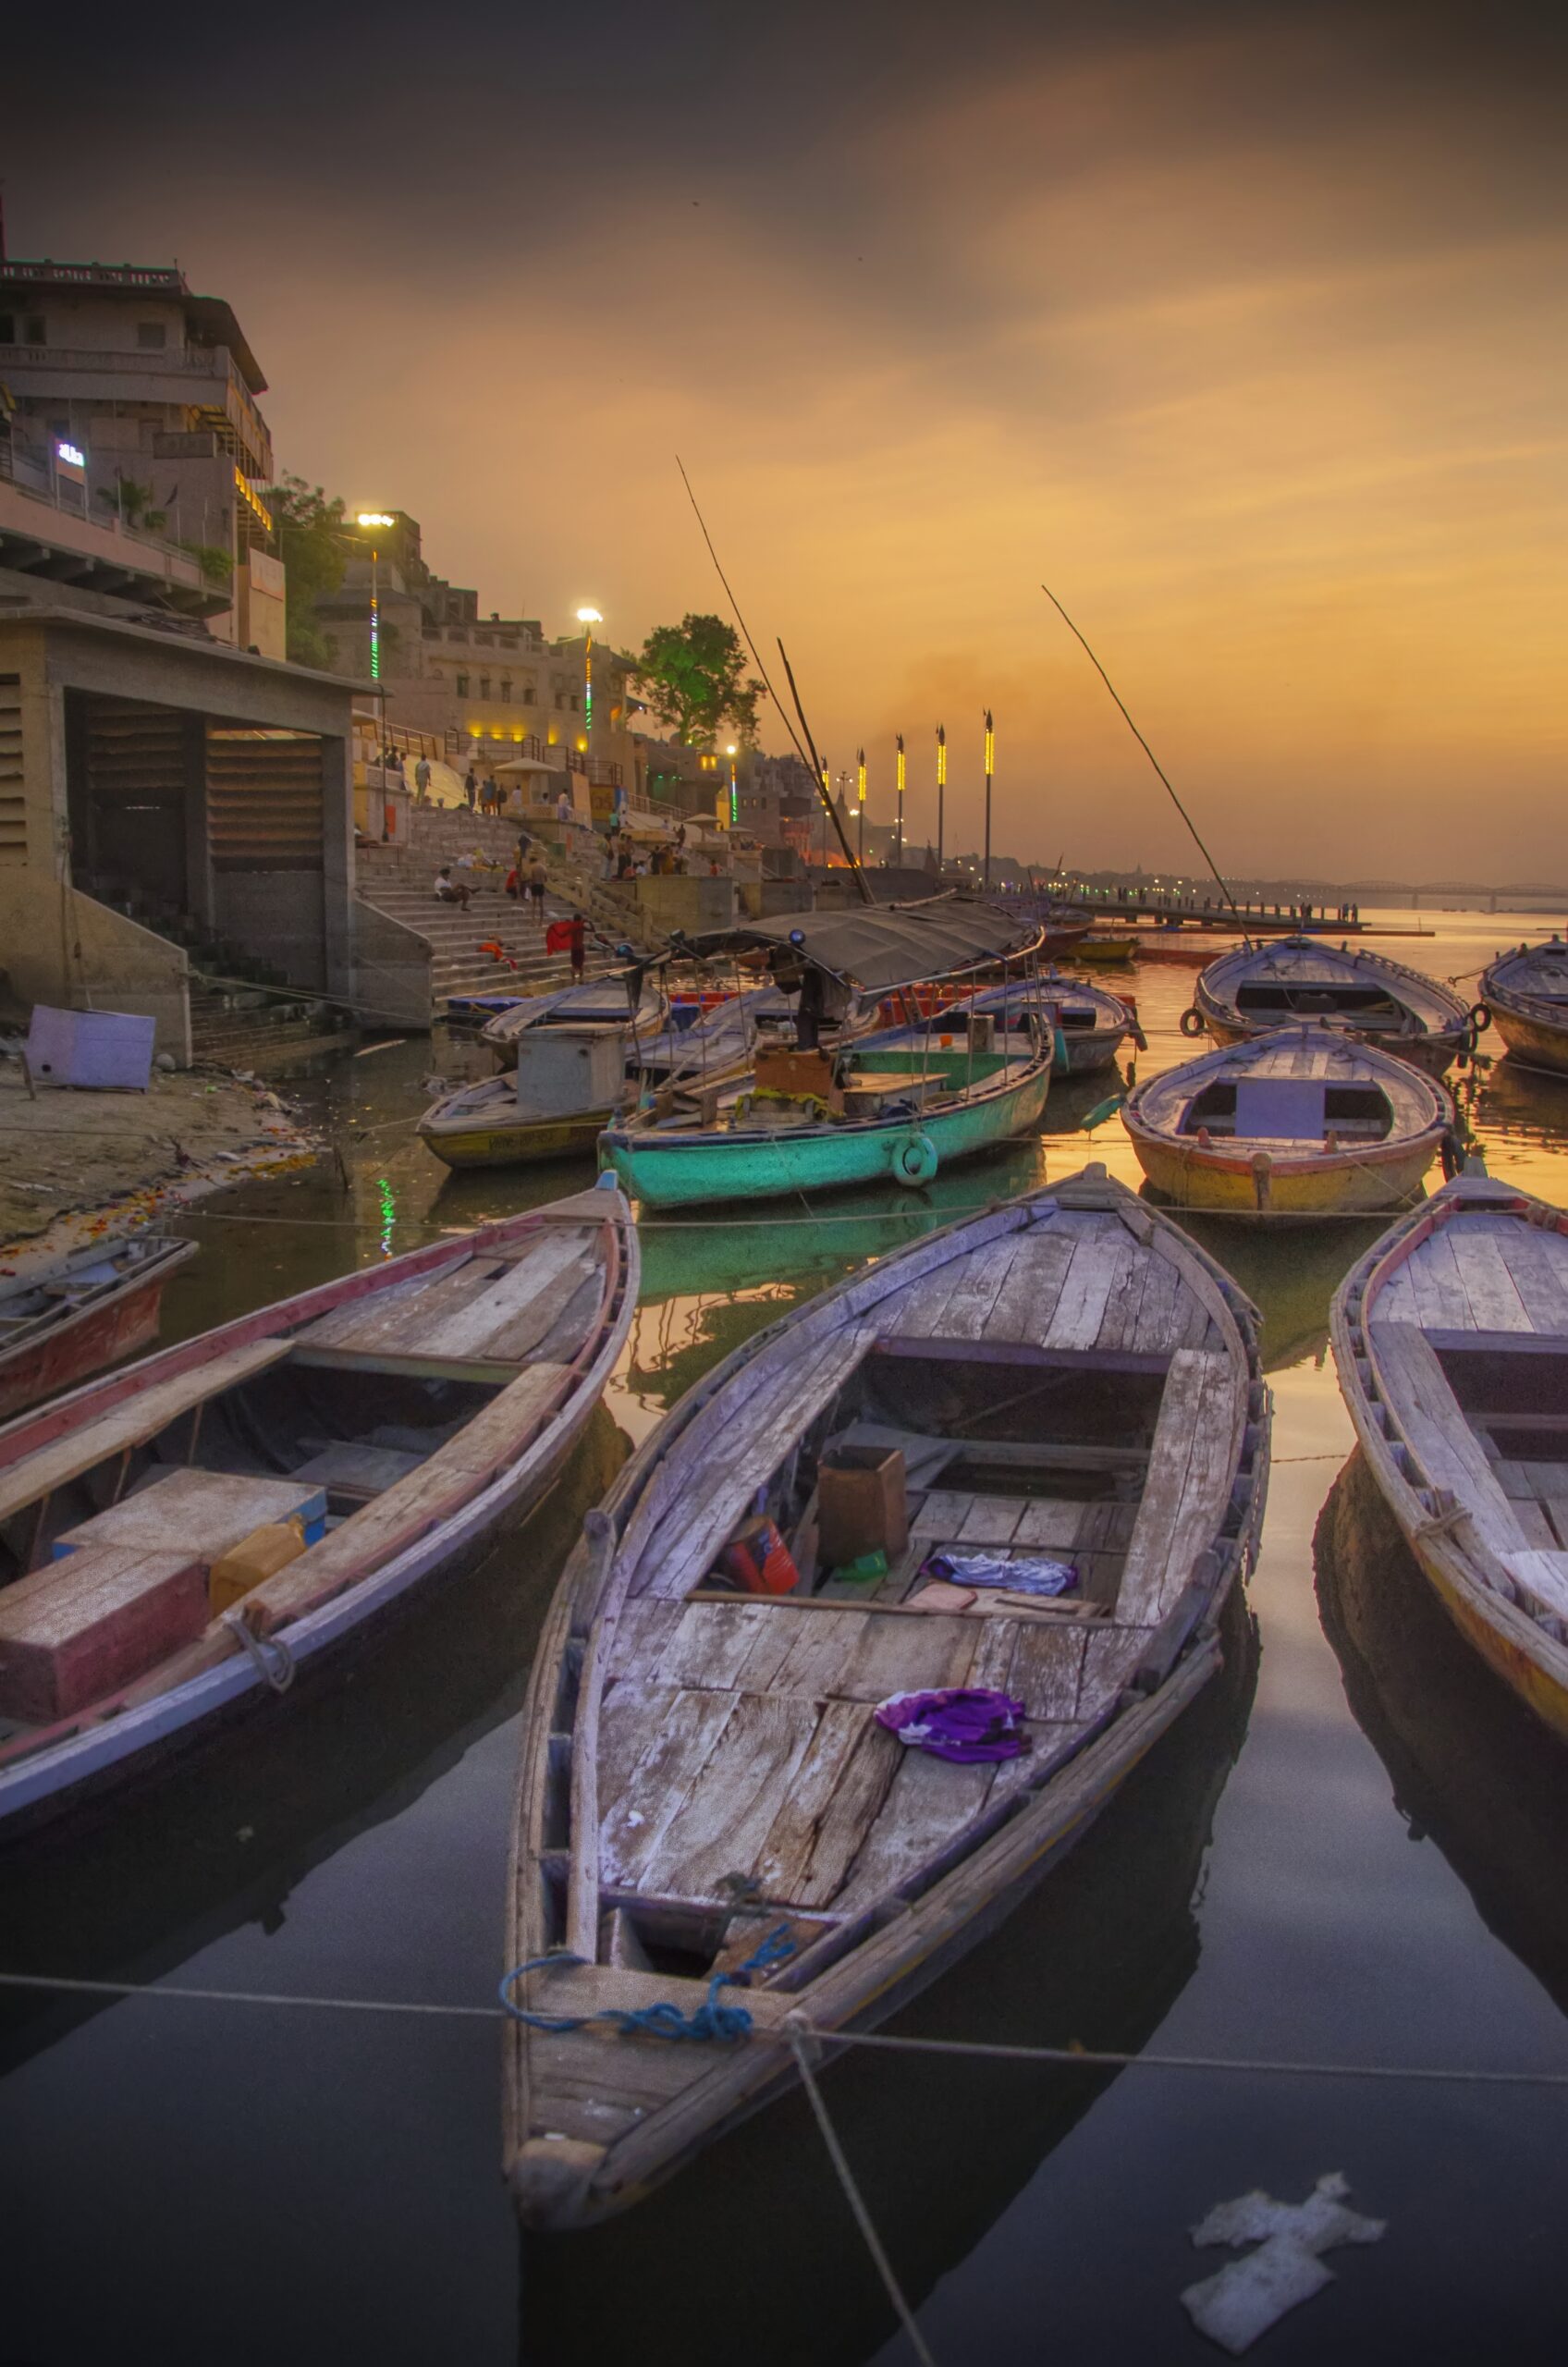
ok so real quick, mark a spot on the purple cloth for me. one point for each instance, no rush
(965, 1724)
(1028, 1575)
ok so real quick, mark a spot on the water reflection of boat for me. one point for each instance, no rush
(1099, 1955)
(135, 1897)
(1470, 1768)
(1290, 1277)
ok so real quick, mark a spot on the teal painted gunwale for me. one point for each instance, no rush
(686, 1170)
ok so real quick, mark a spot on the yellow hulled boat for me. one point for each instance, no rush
(1296, 1124)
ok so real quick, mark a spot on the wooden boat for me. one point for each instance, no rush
(397, 1415)
(83, 1312)
(1088, 1024)
(1259, 987)
(571, 1081)
(810, 1119)
(1525, 995)
(619, 999)
(1108, 947)
(1450, 1338)
(703, 1772)
(1104, 1950)
(906, 1112)
(1298, 1123)
(716, 1042)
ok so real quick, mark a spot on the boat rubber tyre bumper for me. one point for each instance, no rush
(915, 1160)
(1191, 1022)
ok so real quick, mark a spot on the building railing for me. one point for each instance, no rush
(101, 275)
(603, 774)
(192, 361)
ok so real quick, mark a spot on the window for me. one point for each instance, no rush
(152, 336)
(574, 701)
(561, 698)
(7, 328)
(463, 686)
(528, 695)
(505, 692)
(485, 686)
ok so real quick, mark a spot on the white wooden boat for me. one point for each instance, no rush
(1258, 987)
(703, 1772)
(571, 1080)
(1525, 995)
(394, 1418)
(1299, 1123)
(84, 1311)
(1450, 1338)
(626, 999)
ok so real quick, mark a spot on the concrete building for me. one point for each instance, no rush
(127, 401)
(497, 690)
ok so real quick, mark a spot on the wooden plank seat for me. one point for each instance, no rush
(1417, 1391)
(134, 1422)
(200, 1513)
(346, 1467)
(1193, 1452)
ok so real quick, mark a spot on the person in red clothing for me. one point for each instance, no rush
(571, 938)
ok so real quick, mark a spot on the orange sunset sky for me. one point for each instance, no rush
(1242, 326)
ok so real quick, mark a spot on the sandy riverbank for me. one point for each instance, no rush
(76, 1165)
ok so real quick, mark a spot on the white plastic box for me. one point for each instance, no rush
(91, 1047)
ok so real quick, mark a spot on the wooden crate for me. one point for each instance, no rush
(83, 1626)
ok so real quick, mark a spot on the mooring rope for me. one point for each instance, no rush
(1069, 2057)
(800, 2034)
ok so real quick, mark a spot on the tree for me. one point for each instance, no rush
(308, 530)
(692, 675)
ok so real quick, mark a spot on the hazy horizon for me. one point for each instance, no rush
(1239, 327)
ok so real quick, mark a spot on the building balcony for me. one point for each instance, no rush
(195, 377)
(60, 546)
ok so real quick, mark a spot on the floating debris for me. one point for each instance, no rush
(1247, 2297)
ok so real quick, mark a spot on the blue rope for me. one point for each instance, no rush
(664, 2019)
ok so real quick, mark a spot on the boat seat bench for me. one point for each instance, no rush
(134, 1422)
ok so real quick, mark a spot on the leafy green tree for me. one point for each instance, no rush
(692, 675)
(308, 530)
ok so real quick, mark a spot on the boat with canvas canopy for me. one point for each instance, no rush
(1451, 1340)
(176, 1539)
(631, 999)
(1378, 1001)
(1526, 992)
(1302, 1123)
(1052, 1418)
(60, 1322)
(809, 1119)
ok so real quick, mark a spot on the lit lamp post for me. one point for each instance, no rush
(990, 768)
(734, 800)
(941, 790)
(372, 519)
(588, 618)
(860, 802)
(827, 808)
(901, 797)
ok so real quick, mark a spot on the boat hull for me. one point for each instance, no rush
(1495, 1627)
(672, 1172)
(1224, 1184)
(1533, 1042)
(527, 1142)
(100, 1337)
(1433, 1054)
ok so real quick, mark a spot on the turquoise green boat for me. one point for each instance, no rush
(921, 1113)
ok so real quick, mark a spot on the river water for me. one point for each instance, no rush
(1349, 1851)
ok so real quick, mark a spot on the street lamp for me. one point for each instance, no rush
(901, 797)
(990, 768)
(860, 803)
(941, 790)
(375, 519)
(731, 753)
(588, 618)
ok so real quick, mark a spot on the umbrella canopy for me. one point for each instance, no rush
(877, 948)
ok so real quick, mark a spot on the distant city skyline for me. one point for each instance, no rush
(1240, 328)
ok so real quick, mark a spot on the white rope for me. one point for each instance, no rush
(1102, 2058)
(798, 2032)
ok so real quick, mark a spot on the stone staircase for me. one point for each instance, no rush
(397, 881)
(235, 1027)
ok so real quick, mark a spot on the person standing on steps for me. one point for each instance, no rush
(421, 780)
(536, 890)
